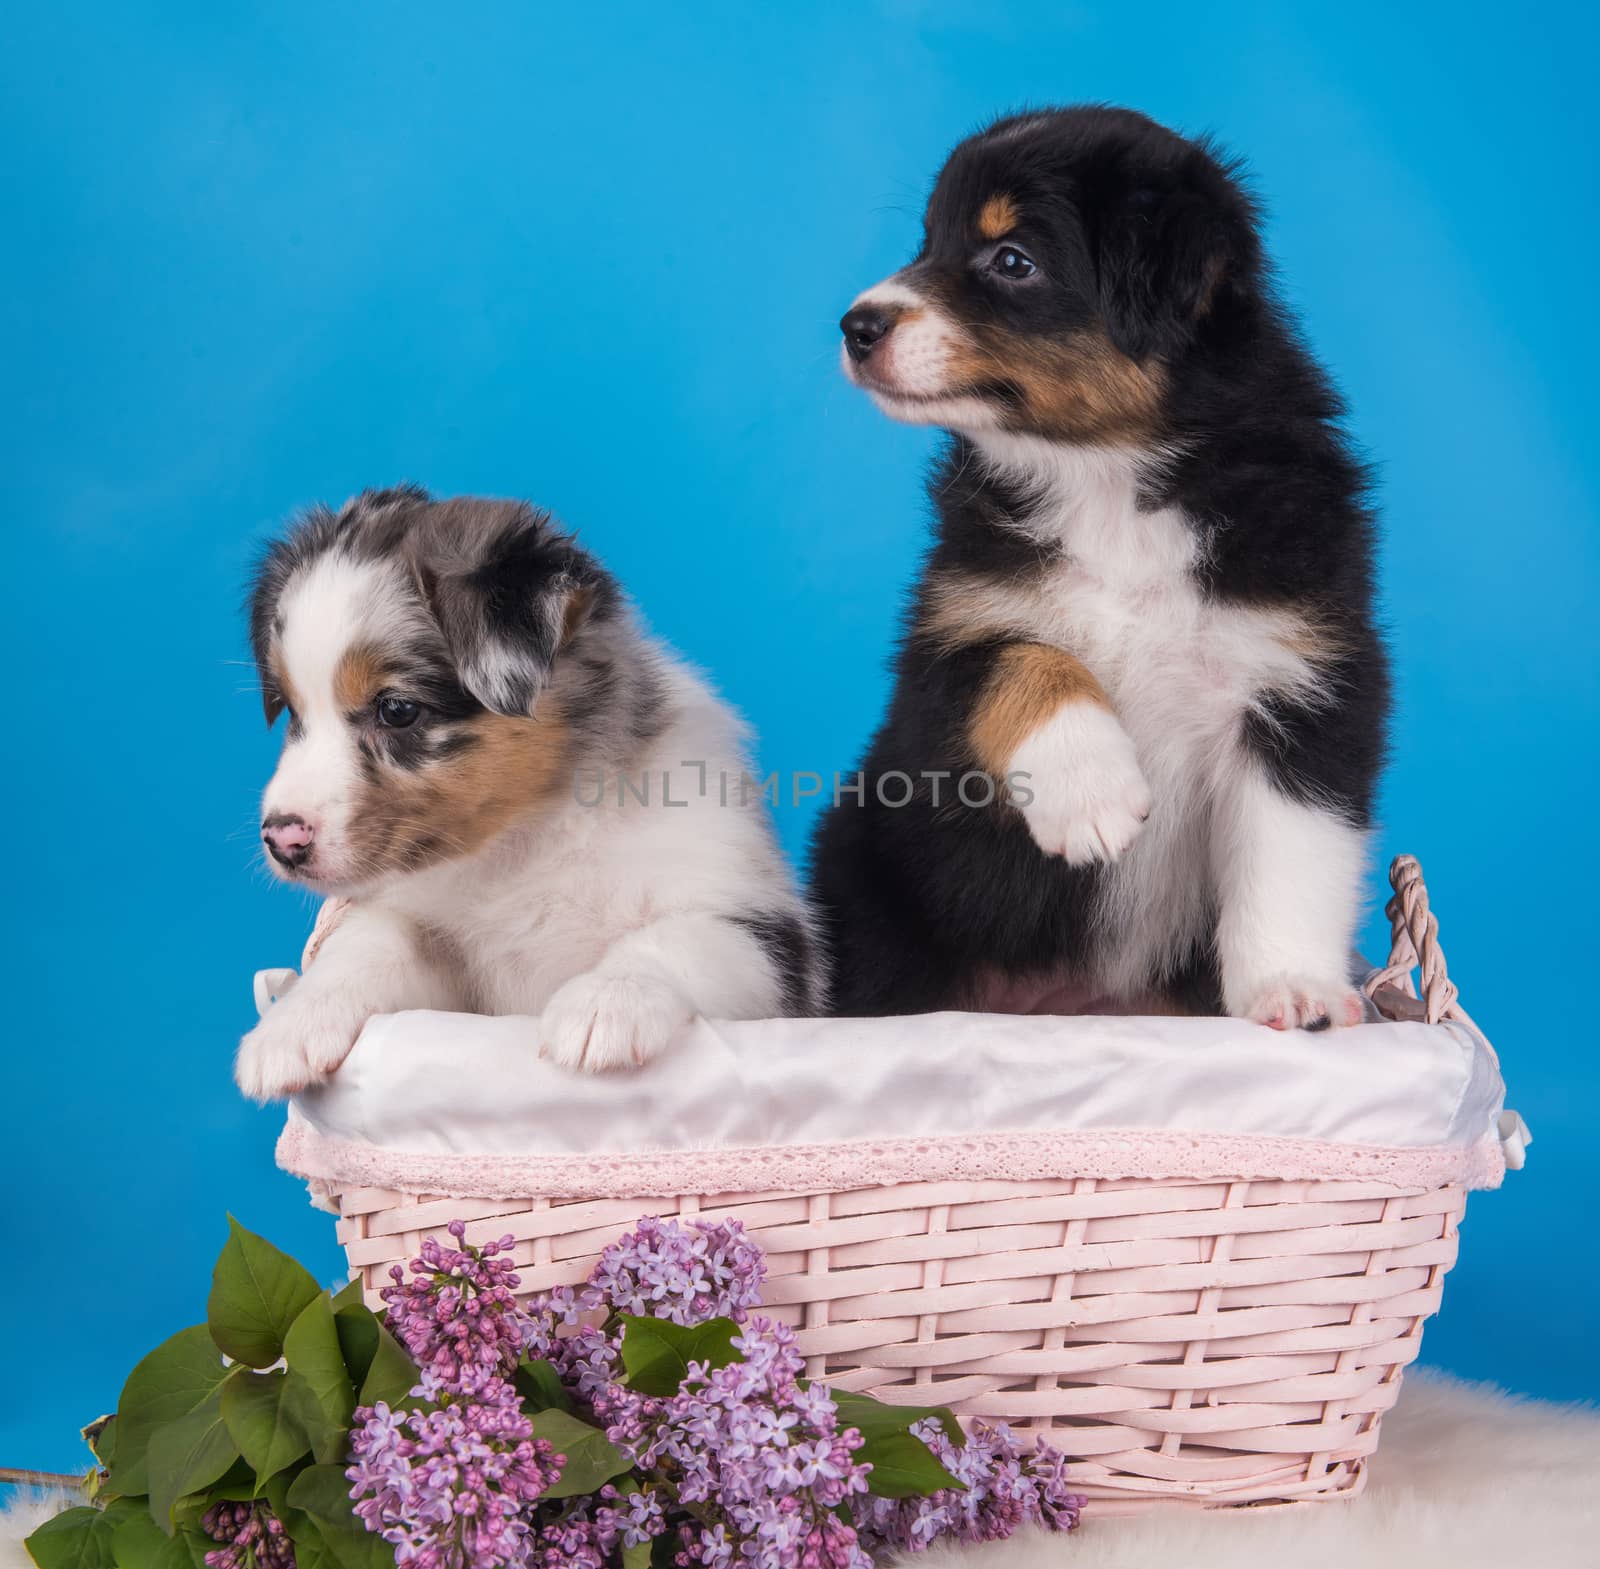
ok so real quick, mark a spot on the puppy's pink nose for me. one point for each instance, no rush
(288, 838)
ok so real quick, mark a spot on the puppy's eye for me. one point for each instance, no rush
(1011, 264)
(395, 713)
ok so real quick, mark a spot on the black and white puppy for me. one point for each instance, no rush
(521, 795)
(1150, 594)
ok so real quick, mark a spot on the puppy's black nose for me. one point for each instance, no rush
(862, 328)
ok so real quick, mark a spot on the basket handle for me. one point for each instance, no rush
(1414, 945)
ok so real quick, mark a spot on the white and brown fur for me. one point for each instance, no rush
(1149, 594)
(473, 715)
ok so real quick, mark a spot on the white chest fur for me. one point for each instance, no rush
(1182, 672)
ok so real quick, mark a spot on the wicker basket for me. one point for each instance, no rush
(1218, 1342)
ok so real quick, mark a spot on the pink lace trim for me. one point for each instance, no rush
(831, 1168)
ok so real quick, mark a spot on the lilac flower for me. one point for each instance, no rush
(662, 1269)
(641, 1519)
(744, 1467)
(252, 1537)
(575, 1541)
(451, 1487)
(764, 1450)
(1005, 1488)
(457, 1314)
(585, 1359)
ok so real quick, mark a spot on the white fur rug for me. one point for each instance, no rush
(1467, 1478)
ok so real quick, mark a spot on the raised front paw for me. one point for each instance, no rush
(599, 1022)
(299, 1043)
(1298, 1002)
(1079, 787)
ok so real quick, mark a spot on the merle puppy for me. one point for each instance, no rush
(1147, 613)
(506, 779)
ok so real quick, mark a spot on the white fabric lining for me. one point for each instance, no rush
(444, 1095)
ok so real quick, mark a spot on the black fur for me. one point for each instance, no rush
(791, 953)
(1152, 244)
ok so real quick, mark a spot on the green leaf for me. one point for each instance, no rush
(874, 1418)
(311, 1551)
(324, 1494)
(903, 1467)
(236, 1485)
(139, 1543)
(637, 1557)
(349, 1295)
(359, 1330)
(78, 1538)
(167, 1384)
(186, 1455)
(656, 1353)
(312, 1350)
(276, 1492)
(592, 1459)
(392, 1375)
(257, 1292)
(264, 1421)
(327, 1438)
(540, 1386)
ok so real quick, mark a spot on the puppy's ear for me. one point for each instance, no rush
(272, 703)
(509, 593)
(1165, 251)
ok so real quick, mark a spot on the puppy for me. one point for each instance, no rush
(532, 807)
(1147, 613)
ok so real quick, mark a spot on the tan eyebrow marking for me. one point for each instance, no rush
(358, 678)
(998, 216)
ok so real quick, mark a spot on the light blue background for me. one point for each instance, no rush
(257, 256)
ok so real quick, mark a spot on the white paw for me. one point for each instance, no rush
(1296, 1002)
(300, 1042)
(599, 1022)
(1089, 796)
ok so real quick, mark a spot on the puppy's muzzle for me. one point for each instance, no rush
(864, 327)
(289, 839)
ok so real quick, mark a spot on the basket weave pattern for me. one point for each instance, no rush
(1217, 1342)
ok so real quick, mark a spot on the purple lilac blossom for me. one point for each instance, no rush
(1006, 1488)
(457, 1314)
(251, 1537)
(753, 1448)
(452, 1485)
(663, 1269)
(745, 1467)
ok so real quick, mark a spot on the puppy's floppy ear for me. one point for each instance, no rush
(509, 593)
(1165, 248)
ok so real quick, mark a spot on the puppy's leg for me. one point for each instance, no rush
(651, 982)
(1289, 878)
(368, 964)
(1043, 723)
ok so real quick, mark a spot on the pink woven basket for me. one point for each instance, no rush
(1218, 1341)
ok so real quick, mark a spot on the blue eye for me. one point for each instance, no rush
(395, 713)
(1011, 264)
